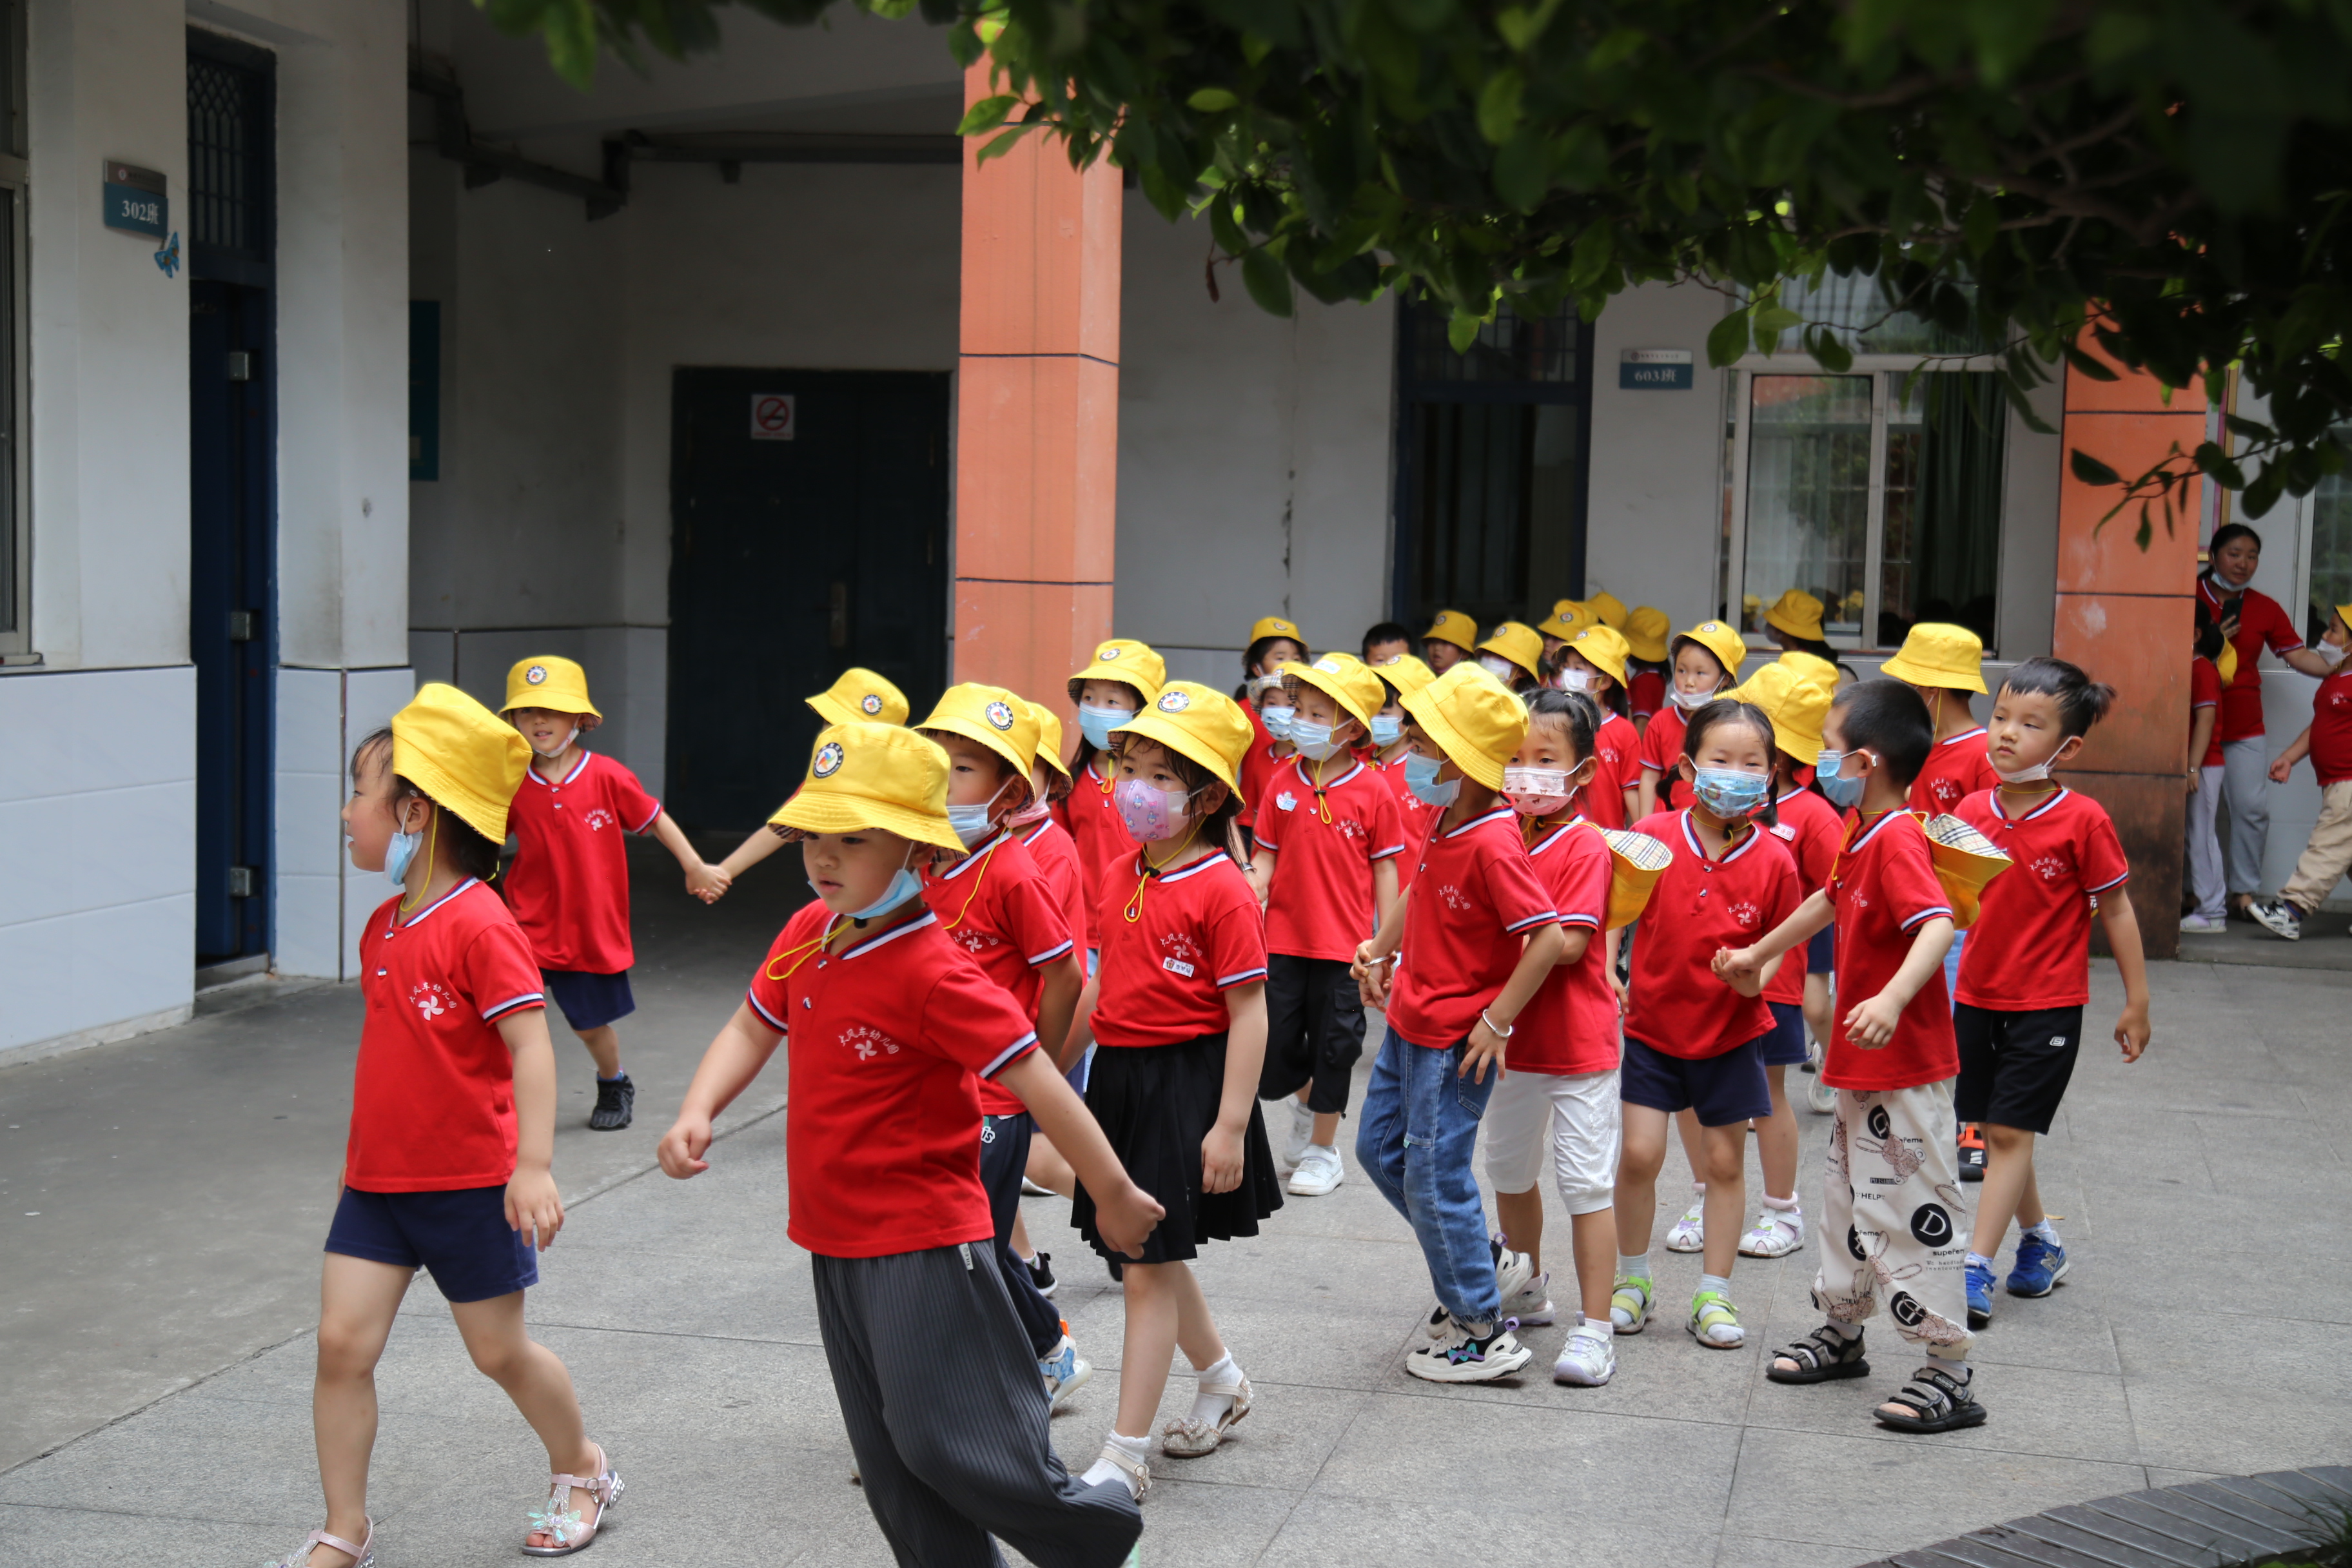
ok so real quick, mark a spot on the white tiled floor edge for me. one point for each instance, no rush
(322, 715)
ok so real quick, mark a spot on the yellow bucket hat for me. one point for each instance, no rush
(1645, 634)
(1602, 648)
(1402, 672)
(1637, 861)
(462, 755)
(1128, 662)
(1521, 645)
(1049, 738)
(1797, 659)
(1797, 699)
(1474, 721)
(1719, 640)
(991, 715)
(1345, 679)
(1797, 612)
(1608, 609)
(1566, 618)
(1939, 655)
(1965, 860)
(863, 776)
(861, 696)
(1276, 626)
(543, 680)
(1453, 626)
(1199, 722)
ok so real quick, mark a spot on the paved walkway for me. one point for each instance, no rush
(162, 1202)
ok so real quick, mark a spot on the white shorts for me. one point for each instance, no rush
(1578, 1116)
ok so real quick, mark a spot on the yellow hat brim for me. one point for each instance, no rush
(468, 804)
(1001, 744)
(553, 702)
(1474, 763)
(1809, 631)
(1162, 731)
(1329, 685)
(834, 811)
(1916, 674)
(833, 711)
(1649, 650)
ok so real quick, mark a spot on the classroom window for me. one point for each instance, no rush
(15, 530)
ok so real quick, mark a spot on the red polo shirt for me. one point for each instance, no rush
(1955, 770)
(1811, 828)
(887, 1040)
(1569, 1026)
(995, 906)
(1677, 1005)
(1258, 764)
(1197, 934)
(1645, 692)
(1662, 752)
(2030, 947)
(2261, 624)
(1883, 885)
(1413, 815)
(570, 885)
(1056, 855)
(1464, 936)
(1319, 904)
(2331, 729)
(433, 1095)
(1100, 835)
(1617, 767)
(2205, 691)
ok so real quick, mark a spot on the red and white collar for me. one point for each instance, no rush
(419, 918)
(532, 773)
(1557, 834)
(1500, 814)
(1690, 837)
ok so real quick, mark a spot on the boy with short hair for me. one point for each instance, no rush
(1893, 1192)
(1944, 665)
(1385, 640)
(569, 888)
(2328, 741)
(1448, 640)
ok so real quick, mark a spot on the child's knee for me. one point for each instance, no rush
(500, 1361)
(346, 1351)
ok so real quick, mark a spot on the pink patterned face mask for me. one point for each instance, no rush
(1152, 815)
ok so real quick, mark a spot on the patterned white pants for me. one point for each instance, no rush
(1894, 1224)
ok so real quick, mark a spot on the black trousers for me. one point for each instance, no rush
(1314, 1031)
(948, 1417)
(1003, 1157)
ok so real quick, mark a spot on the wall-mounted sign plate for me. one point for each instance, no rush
(1655, 369)
(773, 416)
(134, 201)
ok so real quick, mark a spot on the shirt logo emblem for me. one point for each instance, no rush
(2049, 867)
(1183, 948)
(1174, 701)
(534, 675)
(999, 715)
(600, 819)
(871, 702)
(1287, 801)
(1455, 897)
(868, 1042)
(976, 942)
(429, 1000)
(1748, 916)
(1108, 653)
(1348, 827)
(1785, 831)
(1177, 966)
(828, 760)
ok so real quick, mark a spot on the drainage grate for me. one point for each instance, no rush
(2201, 1524)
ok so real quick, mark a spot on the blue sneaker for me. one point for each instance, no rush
(2040, 1266)
(1979, 1295)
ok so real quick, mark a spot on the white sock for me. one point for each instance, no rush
(1980, 1259)
(1847, 1332)
(2045, 1230)
(1635, 1263)
(1028, 1258)
(1209, 1408)
(1715, 1282)
(1601, 1328)
(1699, 1191)
(1785, 1205)
(1101, 1470)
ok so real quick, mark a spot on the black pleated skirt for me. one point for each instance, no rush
(1156, 1104)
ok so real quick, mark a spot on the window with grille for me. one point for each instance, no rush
(230, 171)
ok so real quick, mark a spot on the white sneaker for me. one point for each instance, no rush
(1819, 1098)
(1320, 1170)
(1586, 1361)
(1462, 1357)
(1532, 1306)
(2203, 926)
(1689, 1233)
(1776, 1234)
(1513, 1270)
(1302, 1134)
(1064, 1372)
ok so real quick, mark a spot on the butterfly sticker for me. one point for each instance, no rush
(168, 258)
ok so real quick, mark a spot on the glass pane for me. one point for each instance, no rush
(1807, 495)
(1859, 311)
(1497, 492)
(1940, 555)
(2331, 549)
(1508, 349)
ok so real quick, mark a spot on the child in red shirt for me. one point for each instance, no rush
(2026, 979)
(1471, 943)
(1400, 673)
(1558, 1093)
(2202, 877)
(1124, 677)
(1328, 836)
(1893, 1188)
(1645, 663)
(1179, 1011)
(891, 1028)
(1274, 642)
(858, 697)
(568, 887)
(1707, 661)
(1594, 662)
(1691, 1041)
(1057, 854)
(2328, 741)
(453, 1119)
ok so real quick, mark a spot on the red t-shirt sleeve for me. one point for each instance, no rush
(1237, 940)
(2204, 685)
(501, 975)
(1654, 755)
(970, 1020)
(1035, 923)
(1388, 823)
(1907, 880)
(1266, 825)
(1513, 892)
(637, 808)
(1645, 692)
(2102, 855)
(2276, 629)
(1581, 895)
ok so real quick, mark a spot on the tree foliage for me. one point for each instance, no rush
(2170, 176)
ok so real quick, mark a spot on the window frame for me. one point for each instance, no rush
(1739, 406)
(16, 358)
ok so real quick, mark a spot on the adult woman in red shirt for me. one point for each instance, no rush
(2251, 620)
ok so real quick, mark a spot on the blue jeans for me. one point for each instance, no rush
(1415, 1134)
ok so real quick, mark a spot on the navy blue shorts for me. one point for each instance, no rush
(460, 1237)
(1821, 951)
(1724, 1089)
(589, 1001)
(1785, 1046)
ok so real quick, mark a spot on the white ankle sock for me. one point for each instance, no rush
(1980, 1259)
(1209, 1408)
(2046, 1231)
(1101, 1470)
(1714, 1282)
(1785, 1205)
(1635, 1263)
(1600, 1328)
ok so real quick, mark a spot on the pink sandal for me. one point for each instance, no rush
(361, 1556)
(556, 1518)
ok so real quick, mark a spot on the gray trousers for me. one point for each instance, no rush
(947, 1415)
(2246, 784)
(2203, 869)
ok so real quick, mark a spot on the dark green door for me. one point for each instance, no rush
(808, 534)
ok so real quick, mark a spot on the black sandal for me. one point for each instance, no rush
(1820, 1356)
(1941, 1401)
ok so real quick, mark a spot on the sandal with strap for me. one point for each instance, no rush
(1939, 1403)
(556, 1516)
(1821, 1356)
(1190, 1438)
(361, 1555)
(1714, 1321)
(1137, 1471)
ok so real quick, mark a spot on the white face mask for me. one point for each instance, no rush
(1574, 680)
(1502, 669)
(562, 746)
(1692, 702)
(2034, 774)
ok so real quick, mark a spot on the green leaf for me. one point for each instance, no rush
(1771, 320)
(2090, 470)
(1213, 100)
(1003, 144)
(1614, 49)
(1224, 228)
(1981, 227)
(1498, 105)
(987, 114)
(1523, 171)
(1829, 352)
(1727, 340)
(1266, 281)
(1462, 330)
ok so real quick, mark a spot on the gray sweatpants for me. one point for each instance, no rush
(2246, 787)
(948, 1417)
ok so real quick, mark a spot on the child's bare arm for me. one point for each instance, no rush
(1261, 872)
(1371, 966)
(1081, 1032)
(1124, 1212)
(1057, 1002)
(704, 881)
(1221, 1150)
(2201, 739)
(741, 1047)
(763, 842)
(2297, 749)
(1872, 1023)
(1489, 1036)
(2122, 925)
(1734, 967)
(1384, 889)
(1646, 794)
(1575, 941)
(533, 1204)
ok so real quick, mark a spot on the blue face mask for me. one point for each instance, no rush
(1731, 796)
(1277, 722)
(1313, 740)
(399, 853)
(1386, 731)
(1420, 777)
(1096, 723)
(969, 822)
(904, 886)
(1841, 793)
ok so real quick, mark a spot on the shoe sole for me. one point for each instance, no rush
(1959, 1420)
(1048, 1289)
(1978, 1320)
(1834, 1373)
(1747, 1251)
(1077, 1380)
(1692, 1243)
(1316, 1191)
(1541, 1316)
(1469, 1371)
(2056, 1279)
(1706, 1344)
(1575, 1378)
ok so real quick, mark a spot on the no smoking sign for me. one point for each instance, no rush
(773, 417)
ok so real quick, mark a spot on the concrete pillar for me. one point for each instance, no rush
(1037, 414)
(2125, 614)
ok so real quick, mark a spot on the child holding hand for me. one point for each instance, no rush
(1594, 662)
(1706, 663)
(858, 697)
(2328, 741)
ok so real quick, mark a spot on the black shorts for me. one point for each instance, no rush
(1785, 1046)
(461, 1238)
(589, 1001)
(1003, 1159)
(1724, 1090)
(1821, 951)
(2014, 1067)
(1314, 1031)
